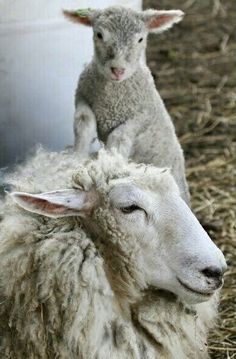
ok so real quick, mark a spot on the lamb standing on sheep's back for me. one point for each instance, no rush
(116, 94)
(122, 270)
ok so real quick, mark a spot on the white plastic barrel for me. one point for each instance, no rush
(41, 57)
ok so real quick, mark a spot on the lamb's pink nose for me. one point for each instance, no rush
(118, 72)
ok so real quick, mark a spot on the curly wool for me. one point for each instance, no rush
(60, 297)
(131, 109)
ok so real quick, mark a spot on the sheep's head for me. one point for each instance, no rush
(146, 232)
(120, 36)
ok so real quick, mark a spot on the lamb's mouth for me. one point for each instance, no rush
(116, 79)
(205, 294)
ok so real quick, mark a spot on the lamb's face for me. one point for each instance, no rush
(120, 36)
(176, 254)
(119, 42)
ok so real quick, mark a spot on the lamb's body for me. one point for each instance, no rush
(116, 94)
(63, 290)
(132, 117)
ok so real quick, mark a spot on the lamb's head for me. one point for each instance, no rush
(146, 233)
(120, 36)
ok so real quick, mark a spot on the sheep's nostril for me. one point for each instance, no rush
(117, 71)
(213, 273)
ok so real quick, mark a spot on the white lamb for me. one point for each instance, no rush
(122, 270)
(116, 94)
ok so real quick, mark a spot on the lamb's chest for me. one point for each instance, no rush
(114, 105)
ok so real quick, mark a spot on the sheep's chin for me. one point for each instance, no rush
(191, 296)
(195, 299)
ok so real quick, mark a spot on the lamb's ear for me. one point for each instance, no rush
(61, 203)
(161, 20)
(81, 16)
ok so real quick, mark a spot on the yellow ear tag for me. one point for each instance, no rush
(84, 12)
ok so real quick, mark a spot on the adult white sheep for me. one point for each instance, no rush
(122, 270)
(116, 94)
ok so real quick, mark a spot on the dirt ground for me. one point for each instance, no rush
(194, 66)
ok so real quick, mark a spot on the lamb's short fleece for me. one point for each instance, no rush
(68, 293)
(127, 111)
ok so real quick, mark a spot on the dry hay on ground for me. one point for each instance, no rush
(194, 66)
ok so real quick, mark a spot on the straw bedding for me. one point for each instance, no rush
(194, 66)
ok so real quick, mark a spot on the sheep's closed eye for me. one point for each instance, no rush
(141, 39)
(99, 35)
(130, 209)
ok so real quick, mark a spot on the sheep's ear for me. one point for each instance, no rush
(61, 203)
(81, 16)
(159, 21)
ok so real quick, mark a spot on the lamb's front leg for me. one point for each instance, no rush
(122, 138)
(85, 130)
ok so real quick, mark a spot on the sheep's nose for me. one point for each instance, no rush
(117, 71)
(214, 273)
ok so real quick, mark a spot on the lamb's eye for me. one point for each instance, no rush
(130, 209)
(99, 35)
(141, 39)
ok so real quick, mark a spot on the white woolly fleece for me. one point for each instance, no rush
(72, 289)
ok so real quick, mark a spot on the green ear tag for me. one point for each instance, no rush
(84, 12)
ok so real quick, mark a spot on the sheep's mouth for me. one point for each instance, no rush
(117, 79)
(189, 289)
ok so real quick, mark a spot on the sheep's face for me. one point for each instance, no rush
(139, 211)
(175, 253)
(119, 42)
(120, 36)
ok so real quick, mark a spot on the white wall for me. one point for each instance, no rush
(41, 56)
